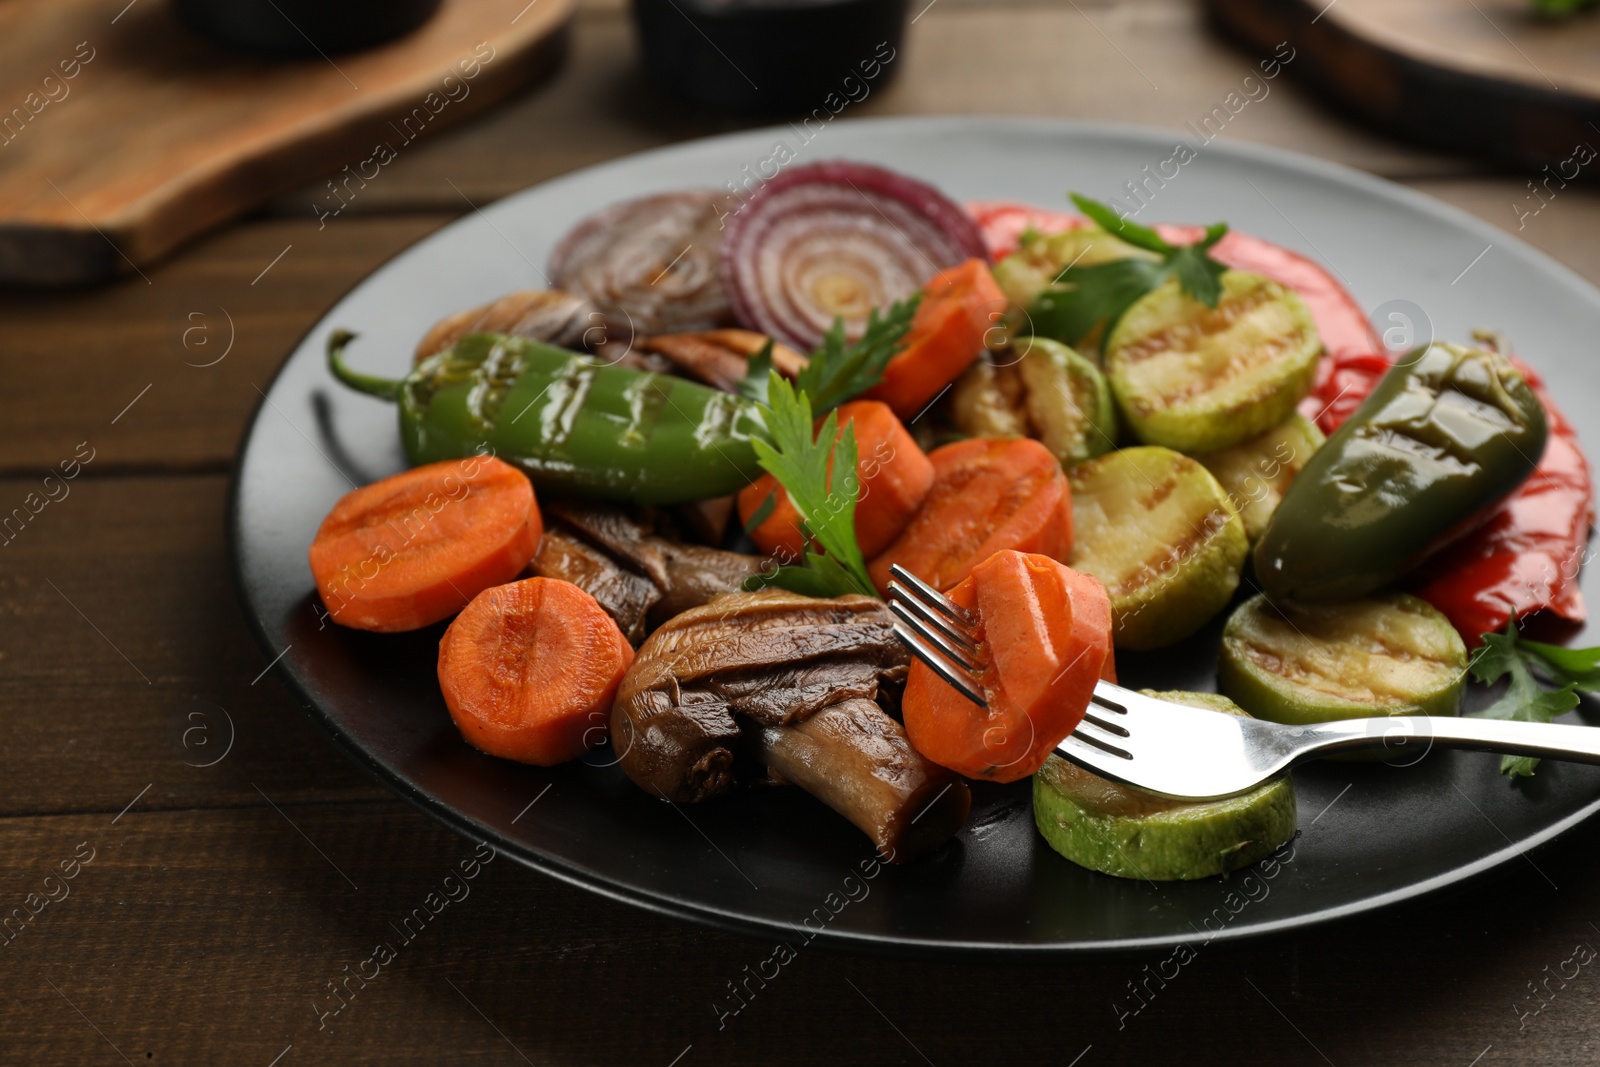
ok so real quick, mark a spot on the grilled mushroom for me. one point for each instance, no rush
(787, 684)
(640, 579)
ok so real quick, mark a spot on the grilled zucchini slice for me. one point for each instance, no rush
(1048, 392)
(987, 401)
(1391, 654)
(1197, 379)
(1039, 259)
(1126, 832)
(1161, 535)
(1256, 473)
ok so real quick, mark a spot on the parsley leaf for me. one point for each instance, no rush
(1505, 654)
(838, 371)
(1083, 297)
(801, 460)
(1574, 666)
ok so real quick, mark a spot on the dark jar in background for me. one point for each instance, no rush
(769, 57)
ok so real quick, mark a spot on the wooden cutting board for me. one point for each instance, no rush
(122, 134)
(1478, 76)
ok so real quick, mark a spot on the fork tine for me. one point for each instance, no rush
(931, 596)
(956, 635)
(911, 635)
(959, 654)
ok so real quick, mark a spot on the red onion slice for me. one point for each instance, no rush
(837, 240)
(651, 265)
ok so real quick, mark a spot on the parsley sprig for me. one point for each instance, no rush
(803, 462)
(1571, 669)
(819, 474)
(838, 371)
(1084, 297)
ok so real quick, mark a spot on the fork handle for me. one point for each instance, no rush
(1579, 744)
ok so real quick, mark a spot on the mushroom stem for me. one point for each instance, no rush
(857, 760)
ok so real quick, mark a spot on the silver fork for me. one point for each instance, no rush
(1189, 753)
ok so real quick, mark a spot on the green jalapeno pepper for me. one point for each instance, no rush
(572, 422)
(1446, 432)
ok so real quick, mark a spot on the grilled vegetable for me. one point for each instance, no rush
(1035, 269)
(1045, 636)
(1048, 392)
(641, 580)
(788, 683)
(1197, 379)
(721, 358)
(892, 477)
(1255, 474)
(1129, 833)
(1447, 432)
(529, 671)
(571, 423)
(652, 265)
(835, 240)
(958, 309)
(1302, 663)
(1161, 534)
(414, 548)
(987, 495)
(558, 318)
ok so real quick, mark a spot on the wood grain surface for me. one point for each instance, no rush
(1486, 77)
(231, 884)
(123, 134)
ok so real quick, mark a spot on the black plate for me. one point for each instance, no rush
(775, 862)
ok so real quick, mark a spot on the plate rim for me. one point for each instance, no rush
(878, 943)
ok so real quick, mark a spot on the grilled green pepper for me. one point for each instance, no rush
(571, 422)
(1448, 430)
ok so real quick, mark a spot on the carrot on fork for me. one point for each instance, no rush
(1044, 640)
(529, 671)
(414, 548)
(892, 472)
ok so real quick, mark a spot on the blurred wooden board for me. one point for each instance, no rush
(122, 134)
(1481, 76)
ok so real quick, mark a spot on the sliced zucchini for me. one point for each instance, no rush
(1069, 403)
(987, 401)
(1391, 654)
(1197, 379)
(1256, 473)
(1036, 263)
(1047, 391)
(1122, 831)
(1161, 535)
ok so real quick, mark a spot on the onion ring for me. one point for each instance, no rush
(836, 240)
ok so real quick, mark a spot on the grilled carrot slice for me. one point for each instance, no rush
(894, 477)
(958, 307)
(529, 671)
(988, 494)
(415, 548)
(1045, 638)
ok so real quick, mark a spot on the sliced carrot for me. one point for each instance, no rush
(959, 306)
(988, 494)
(894, 475)
(529, 671)
(1045, 637)
(415, 548)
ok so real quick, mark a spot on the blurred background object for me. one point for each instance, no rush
(303, 27)
(1501, 79)
(125, 134)
(767, 56)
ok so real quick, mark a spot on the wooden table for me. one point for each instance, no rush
(229, 886)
